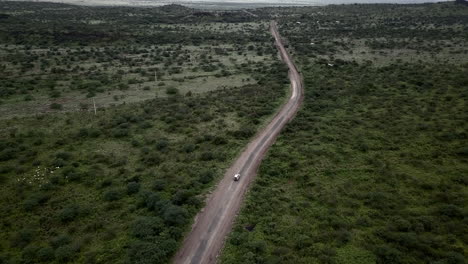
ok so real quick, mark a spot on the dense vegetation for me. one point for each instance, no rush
(121, 186)
(374, 167)
(372, 170)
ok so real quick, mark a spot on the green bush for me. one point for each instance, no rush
(175, 215)
(387, 254)
(55, 94)
(56, 106)
(133, 187)
(69, 213)
(258, 246)
(153, 158)
(63, 155)
(146, 253)
(153, 201)
(244, 132)
(181, 197)
(30, 254)
(206, 177)
(45, 254)
(162, 144)
(159, 184)
(34, 200)
(112, 195)
(65, 253)
(22, 238)
(172, 91)
(189, 148)
(120, 132)
(207, 156)
(147, 227)
(218, 140)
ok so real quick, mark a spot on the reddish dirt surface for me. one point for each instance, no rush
(215, 221)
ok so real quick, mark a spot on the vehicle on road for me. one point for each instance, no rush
(236, 177)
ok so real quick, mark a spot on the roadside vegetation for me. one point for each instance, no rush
(122, 185)
(373, 169)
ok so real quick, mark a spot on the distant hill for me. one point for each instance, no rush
(231, 4)
(175, 8)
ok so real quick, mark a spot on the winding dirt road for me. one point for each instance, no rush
(214, 222)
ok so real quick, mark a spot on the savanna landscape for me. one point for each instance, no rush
(117, 123)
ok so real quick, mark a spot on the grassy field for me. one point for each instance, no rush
(374, 167)
(121, 185)
(372, 170)
(118, 58)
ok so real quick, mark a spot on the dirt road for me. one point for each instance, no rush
(214, 222)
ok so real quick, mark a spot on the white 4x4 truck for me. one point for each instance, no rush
(236, 177)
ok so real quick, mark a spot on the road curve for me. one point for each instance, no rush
(214, 222)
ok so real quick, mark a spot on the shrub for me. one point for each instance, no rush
(450, 210)
(69, 213)
(462, 151)
(55, 94)
(59, 163)
(159, 185)
(72, 175)
(454, 258)
(3, 177)
(120, 132)
(206, 177)
(22, 238)
(152, 158)
(181, 197)
(207, 156)
(56, 106)
(172, 91)
(109, 234)
(244, 132)
(238, 238)
(106, 183)
(162, 144)
(29, 254)
(8, 154)
(220, 140)
(152, 201)
(45, 254)
(133, 187)
(34, 200)
(144, 227)
(387, 254)
(63, 155)
(64, 253)
(258, 246)
(189, 148)
(146, 125)
(146, 253)
(175, 215)
(112, 195)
